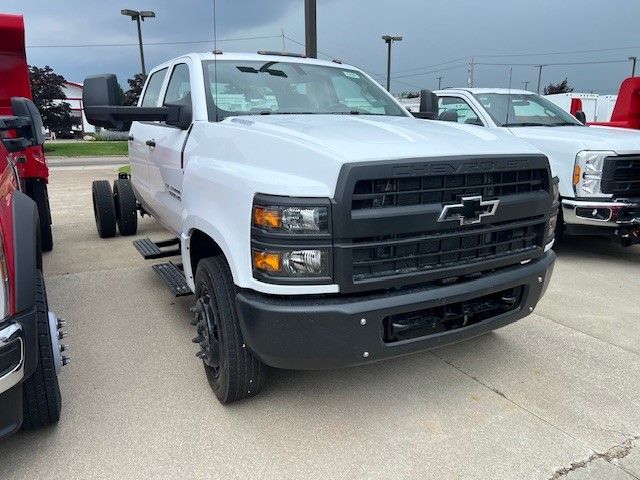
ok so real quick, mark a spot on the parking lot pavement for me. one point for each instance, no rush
(553, 396)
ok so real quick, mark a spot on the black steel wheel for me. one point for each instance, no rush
(233, 371)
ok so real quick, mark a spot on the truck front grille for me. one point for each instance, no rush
(393, 255)
(420, 190)
(621, 176)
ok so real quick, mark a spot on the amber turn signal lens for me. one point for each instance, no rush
(266, 261)
(267, 217)
(576, 175)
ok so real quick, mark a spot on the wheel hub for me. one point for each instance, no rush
(207, 328)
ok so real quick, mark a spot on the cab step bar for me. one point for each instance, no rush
(151, 250)
(173, 277)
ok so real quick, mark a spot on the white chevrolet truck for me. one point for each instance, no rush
(318, 223)
(598, 167)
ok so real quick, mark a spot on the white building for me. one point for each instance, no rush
(73, 96)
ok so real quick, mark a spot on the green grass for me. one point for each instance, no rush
(86, 149)
(125, 169)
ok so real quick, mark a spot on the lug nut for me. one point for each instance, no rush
(64, 348)
(61, 323)
(197, 339)
(62, 334)
(201, 354)
(66, 360)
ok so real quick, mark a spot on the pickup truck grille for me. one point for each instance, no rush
(389, 230)
(392, 192)
(621, 176)
(397, 254)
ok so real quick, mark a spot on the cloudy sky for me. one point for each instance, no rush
(82, 37)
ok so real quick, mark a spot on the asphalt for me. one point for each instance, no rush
(553, 396)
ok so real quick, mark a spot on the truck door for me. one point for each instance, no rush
(165, 165)
(140, 133)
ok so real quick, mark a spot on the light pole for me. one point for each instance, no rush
(137, 17)
(526, 85)
(539, 67)
(633, 68)
(439, 82)
(389, 39)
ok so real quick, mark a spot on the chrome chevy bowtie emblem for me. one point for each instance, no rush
(471, 210)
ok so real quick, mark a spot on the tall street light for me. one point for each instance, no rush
(633, 68)
(389, 39)
(137, 17)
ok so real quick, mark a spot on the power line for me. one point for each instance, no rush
(154, 43)
(419, 74)
(558, 53)
(598, 62)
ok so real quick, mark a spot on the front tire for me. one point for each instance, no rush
(42, 401)
(37, 190)
(233, 371)
(104, 209)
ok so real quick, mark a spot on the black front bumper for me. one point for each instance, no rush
(342, 331)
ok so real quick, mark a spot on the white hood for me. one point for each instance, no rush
(352, 138)
(620, 140)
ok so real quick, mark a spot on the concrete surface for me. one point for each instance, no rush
(553, 396)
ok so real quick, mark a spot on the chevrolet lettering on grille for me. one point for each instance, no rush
(470, 211)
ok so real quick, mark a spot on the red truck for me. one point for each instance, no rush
(31, 355)
(14, 85)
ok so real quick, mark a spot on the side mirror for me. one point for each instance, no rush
(25, 108)
(180, 114)
(428, 105)
(581, 116)
(101, 99)
(23, 128)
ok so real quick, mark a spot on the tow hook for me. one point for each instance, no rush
(55, 331)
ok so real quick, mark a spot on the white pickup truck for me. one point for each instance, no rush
(319, 224)
(598, 167)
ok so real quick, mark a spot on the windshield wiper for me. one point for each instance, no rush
(526, 124)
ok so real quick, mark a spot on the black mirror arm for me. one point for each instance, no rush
(110, 116)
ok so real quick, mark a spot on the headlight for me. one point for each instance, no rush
(291, 240)
(587, 173)
(291, 219)
(291, 263)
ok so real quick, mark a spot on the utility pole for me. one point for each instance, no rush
(389, 39)
(439, 82)
(138, 17)
(539, 67)
(284, 42)
(310, 29)
(526, 85)
(471, 73)
(633, 68)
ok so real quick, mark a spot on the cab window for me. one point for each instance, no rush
(456, 108)
(179, 88)
(154, 85)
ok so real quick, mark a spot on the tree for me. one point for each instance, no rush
(562, 87)
(409, 94)
(46, 88)
(132, 95)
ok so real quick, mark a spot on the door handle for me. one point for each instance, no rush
(151, 143)
(130, 138)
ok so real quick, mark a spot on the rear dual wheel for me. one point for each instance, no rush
(114, 207)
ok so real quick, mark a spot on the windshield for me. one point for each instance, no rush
(524, 110)
(264, 88)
